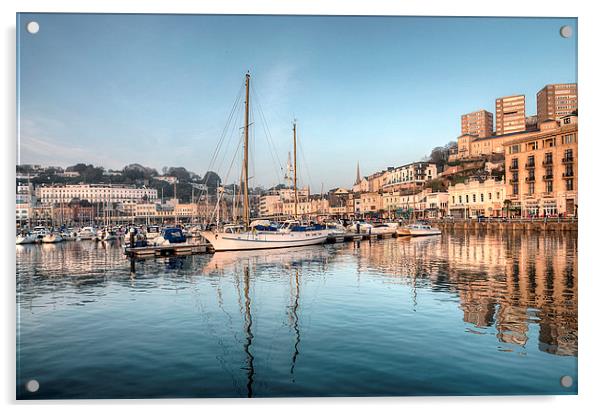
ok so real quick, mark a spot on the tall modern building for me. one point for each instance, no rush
(555, 101)
(510, 114)
(479, 123)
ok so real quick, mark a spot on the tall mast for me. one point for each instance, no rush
(295, 164)
(246, 159)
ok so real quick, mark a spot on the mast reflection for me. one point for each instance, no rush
(248, 321)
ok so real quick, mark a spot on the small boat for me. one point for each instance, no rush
(52, 238)
(386, 228)
(39, 233)
(68, 235)
(335, 229)
(170, 236)
(26, 238)
(87, 233)
(416, 230)
(152, 232)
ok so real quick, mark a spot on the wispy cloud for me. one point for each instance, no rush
(41, 141)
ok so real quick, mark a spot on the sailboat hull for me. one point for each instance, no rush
(221, 241)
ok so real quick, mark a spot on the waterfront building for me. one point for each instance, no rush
(434, 204)
(475, 198)
(510, 114)
(556, 101)
(377, 181)
(412, 176)
(273, 203)
(41, 215)
(370, 203)
(94, 193)
(362, 186)
(73, 212)
(24, 200)
(413, 204)
(479, 123)
(270, 205)
(541, 170)
(338, 204)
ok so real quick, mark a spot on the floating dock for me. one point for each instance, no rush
(152, 251)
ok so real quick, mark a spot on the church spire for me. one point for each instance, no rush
(358, 179)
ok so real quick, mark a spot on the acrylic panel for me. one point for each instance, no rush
(295, 206)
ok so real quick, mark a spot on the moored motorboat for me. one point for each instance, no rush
(382, 229)
(416, 230)
(169, 236)
(152, 232)
(86, 233)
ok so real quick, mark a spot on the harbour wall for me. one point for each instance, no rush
(512, 226)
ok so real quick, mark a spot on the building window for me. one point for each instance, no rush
(515, 189)
(548, 158)
(467, 199)
(490, 196)
(482, 197)
(569, 184)
(568, 138)
(515, 149)
(532, 146)
(531, 188)
(549, 186)
(474, 198)
(514, 164)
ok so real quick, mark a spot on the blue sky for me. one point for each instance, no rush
(157, 89)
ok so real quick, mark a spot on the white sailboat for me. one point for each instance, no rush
(250, 237)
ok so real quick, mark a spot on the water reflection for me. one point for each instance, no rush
(291, 321)
(509, 282)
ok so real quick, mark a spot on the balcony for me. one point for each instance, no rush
(547, 162)
(530, 179)
(513, 181)
(530, 165)
(548, 177)
(513, 167)
(548, 194)
(568, 159)
(568, 174)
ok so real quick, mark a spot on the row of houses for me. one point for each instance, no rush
(538, 177)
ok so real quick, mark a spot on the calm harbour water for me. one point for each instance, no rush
(461, 314)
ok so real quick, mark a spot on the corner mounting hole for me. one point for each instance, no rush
(32, 386)
(566, 381)
(33, 27)
(566, 31)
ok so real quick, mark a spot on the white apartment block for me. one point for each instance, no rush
(94, 193)
(476, 198)
(413, 174)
